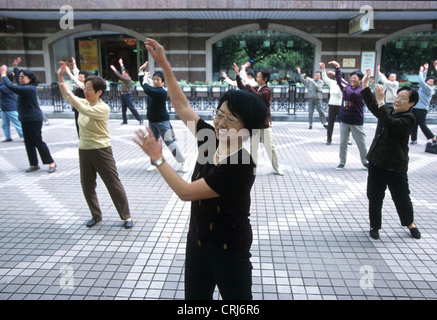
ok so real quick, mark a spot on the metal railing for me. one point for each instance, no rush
(289, 99)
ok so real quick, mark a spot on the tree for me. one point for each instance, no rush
(279, 52)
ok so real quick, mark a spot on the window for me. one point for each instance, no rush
(406, 54)
(274, 50)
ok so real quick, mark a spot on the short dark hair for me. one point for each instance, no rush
(10, 75)
(431, 77)
(358, 73)
(159, 74)
(250, 72)
(98, 83)
(414, 95)
(86, 74)
(31, 76)
(266, 74)
(246, 105)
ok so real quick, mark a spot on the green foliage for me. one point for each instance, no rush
(279, 52)
(406, 54)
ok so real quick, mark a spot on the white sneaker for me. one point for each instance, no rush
(151, 168)
(184, 167)
(279, 171)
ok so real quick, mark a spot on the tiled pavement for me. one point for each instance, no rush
(310, 225)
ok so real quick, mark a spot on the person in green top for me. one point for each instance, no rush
(95, 152)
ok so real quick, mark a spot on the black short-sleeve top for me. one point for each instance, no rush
(222, 223)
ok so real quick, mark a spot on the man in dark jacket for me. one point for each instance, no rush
(126, 94)
(9, 110)
(388, 155)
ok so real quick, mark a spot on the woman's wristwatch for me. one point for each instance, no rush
(159, 162)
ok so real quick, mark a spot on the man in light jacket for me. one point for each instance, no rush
(315, 96)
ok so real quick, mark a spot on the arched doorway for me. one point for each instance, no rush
(64, 44)
(405, 51)
(277, 47)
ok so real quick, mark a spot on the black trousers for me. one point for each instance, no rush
(33, 141)
(231, 271)
(420, 115)
(76, 119)
(332, 117)
(127, 101)
(397, 182)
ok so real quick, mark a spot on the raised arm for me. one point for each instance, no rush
(382, 76)
(74, 75)
(338, 75)
(366, 78)
(64, 87)
(180, 103)
(422, 76)
(15, 88)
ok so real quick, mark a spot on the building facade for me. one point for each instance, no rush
(97, 34)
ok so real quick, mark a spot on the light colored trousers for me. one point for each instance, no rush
(11, 116)
(360, 138)
(319, 106)
(267, 136)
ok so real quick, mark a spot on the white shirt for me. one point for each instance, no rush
(336, 96)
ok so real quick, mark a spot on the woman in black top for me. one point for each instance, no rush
(220, 234)
(388, 155)
(30, 115)
(157, 114)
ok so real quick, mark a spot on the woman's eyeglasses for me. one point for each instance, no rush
(229, 119)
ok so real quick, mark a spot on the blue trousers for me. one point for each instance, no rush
(162, 129)
(127, 101)
(11, 117)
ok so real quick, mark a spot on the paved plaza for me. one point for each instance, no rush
(310, 226)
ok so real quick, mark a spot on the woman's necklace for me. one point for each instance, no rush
(223, 157)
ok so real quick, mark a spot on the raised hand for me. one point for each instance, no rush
(16, 62)
(236, 69)
(156, 50)
(379, 93)
(144, 66)
(335, 63)
(366, 78)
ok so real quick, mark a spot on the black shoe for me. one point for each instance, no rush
(7, 140)
(374, 234)
(92, 222)
(32, 168)
(123, 123)
(128, 224)
(328, 143)
(415, 233)
(310, 127)
(141, 122)
(414, 142)
(325, 126)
